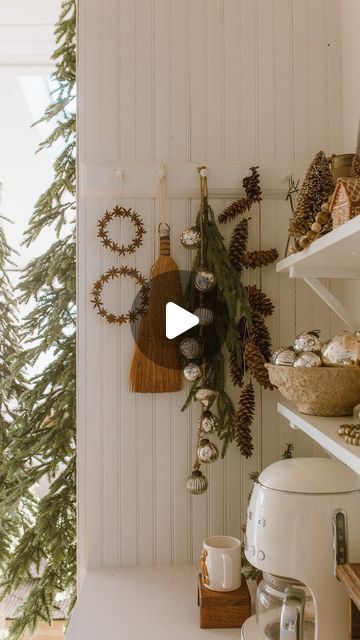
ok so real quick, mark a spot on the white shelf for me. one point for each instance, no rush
(335, 255)
(141, 604)
(324, 432)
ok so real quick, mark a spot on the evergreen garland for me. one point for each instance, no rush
(228, 300)
(43, 444)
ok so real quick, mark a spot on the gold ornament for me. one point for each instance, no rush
(192, 372)
(191, 238)
(285, 358)
(207, 424)
(308, 341)
(205, 396)
(308, 359)
(342, 350)
(207, 452)
(197, 483)
(205, 315)
(191, 349)
(204, 280)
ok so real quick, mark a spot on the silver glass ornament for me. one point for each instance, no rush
(191, 238)
(275, 354)
(191, 348)
(286, 358)
(197, 483)
(342, 350)
(207, 451)
(205, 315)
(308, 341)
(192, 372)
(205, 396)
(207, 424)
(204, 280)
(308, 359)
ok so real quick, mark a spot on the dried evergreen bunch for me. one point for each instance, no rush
(243, 420)
(251, 184)
(15, 515)
(43, 442)
(253, 335)
(229, 302)
(316, 188)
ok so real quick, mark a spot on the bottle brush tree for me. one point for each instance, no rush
(43, 443)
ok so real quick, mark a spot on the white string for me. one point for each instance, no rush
(162, 213)
(120, 176)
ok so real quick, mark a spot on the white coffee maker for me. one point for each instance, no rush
(303, 519)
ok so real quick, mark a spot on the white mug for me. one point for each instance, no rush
(221, 563)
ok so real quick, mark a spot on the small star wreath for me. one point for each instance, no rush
(124, 271)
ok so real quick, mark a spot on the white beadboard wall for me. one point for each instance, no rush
(228, 83)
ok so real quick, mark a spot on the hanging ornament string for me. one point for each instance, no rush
(120, 213)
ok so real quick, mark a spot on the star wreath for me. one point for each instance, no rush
(124, 271)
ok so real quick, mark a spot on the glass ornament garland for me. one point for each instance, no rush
(215, 294)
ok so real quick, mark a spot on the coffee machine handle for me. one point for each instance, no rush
(292, 615)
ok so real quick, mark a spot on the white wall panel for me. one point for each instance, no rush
(223, 82)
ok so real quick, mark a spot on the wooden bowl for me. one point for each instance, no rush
(318, 391)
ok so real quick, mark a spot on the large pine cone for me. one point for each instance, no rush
(234, 209)
(259, 301)
(238, 244)
(236, 370)
(252, 187)
(255, 259)
(243, 420)
(261, 336)
(255, 362)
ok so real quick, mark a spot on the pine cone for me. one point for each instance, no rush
(234, 209)
(255, 259)
(252, 187)
(260, 336)
(236, 370)
(243, 421)
(255, 363)
(238, 244)
(259, 301)
(355, 167)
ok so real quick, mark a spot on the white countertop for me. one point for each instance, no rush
(131, 604)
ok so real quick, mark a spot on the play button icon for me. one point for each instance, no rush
(178, 320)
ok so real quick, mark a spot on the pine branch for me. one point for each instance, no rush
(43, 438)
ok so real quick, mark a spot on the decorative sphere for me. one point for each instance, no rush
(207, 452)
(205, 396)
(308, 341)
(285, 358)
(207, 424)
(191, 238)
(204, 280)
(205, 315)
(190, 348)
(275, 354)
(342, 350)
(308, 359)
(197, 483)
(192, 372)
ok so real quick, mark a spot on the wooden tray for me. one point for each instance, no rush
(223, 609)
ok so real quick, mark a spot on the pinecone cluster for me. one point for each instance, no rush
(259, 301)
(252, 189)
(317, 186)
(255, 363)
(256, 259)
(243, 420)
(238, 243)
